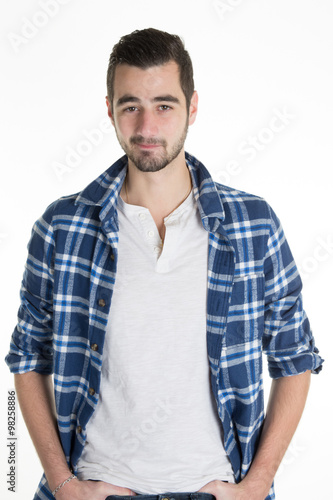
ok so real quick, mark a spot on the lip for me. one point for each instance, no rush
(148, 146)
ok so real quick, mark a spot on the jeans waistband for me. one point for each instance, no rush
(165, 496)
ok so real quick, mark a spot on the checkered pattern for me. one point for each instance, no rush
(253, 306)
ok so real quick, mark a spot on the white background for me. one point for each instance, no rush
(252, 59)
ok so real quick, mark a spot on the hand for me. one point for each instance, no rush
(90, 490)
(230, 491)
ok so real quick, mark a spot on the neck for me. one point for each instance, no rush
(161, 192)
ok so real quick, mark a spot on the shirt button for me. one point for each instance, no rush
(150, 234)
(142, 216)
(91, 391)
(94, 347)
(112, 257)
(79, 429)
(101, 303)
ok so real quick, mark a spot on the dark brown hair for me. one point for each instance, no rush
(151, 47)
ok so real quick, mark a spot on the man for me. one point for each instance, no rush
(151, 296)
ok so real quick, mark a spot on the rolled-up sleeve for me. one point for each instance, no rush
(31, 343)
(288, 340)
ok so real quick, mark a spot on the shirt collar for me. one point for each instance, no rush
(104, 192)
(206, 194)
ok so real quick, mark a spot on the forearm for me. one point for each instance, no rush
(36, 398)
(286, 403)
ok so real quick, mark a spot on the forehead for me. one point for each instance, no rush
(156, 80)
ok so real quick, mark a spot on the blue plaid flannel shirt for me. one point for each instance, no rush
(253, 306)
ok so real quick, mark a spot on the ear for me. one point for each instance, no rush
(193, 108)
(109, 109)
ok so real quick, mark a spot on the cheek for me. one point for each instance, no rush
(173, 125)
(124, 126)
(177, 130)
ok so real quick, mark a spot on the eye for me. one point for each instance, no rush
(164, 107)
(130, 109)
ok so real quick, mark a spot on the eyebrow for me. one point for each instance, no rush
(163, 98)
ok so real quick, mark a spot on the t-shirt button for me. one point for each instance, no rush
(150, 234)
(142, 216)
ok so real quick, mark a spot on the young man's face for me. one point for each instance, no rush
(150, 114)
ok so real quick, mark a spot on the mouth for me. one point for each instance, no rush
(148, 146)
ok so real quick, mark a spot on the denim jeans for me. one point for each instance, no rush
(165, 496)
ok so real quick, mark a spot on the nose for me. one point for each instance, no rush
(147, 124)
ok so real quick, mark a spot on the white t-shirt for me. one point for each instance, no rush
(156, 428)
